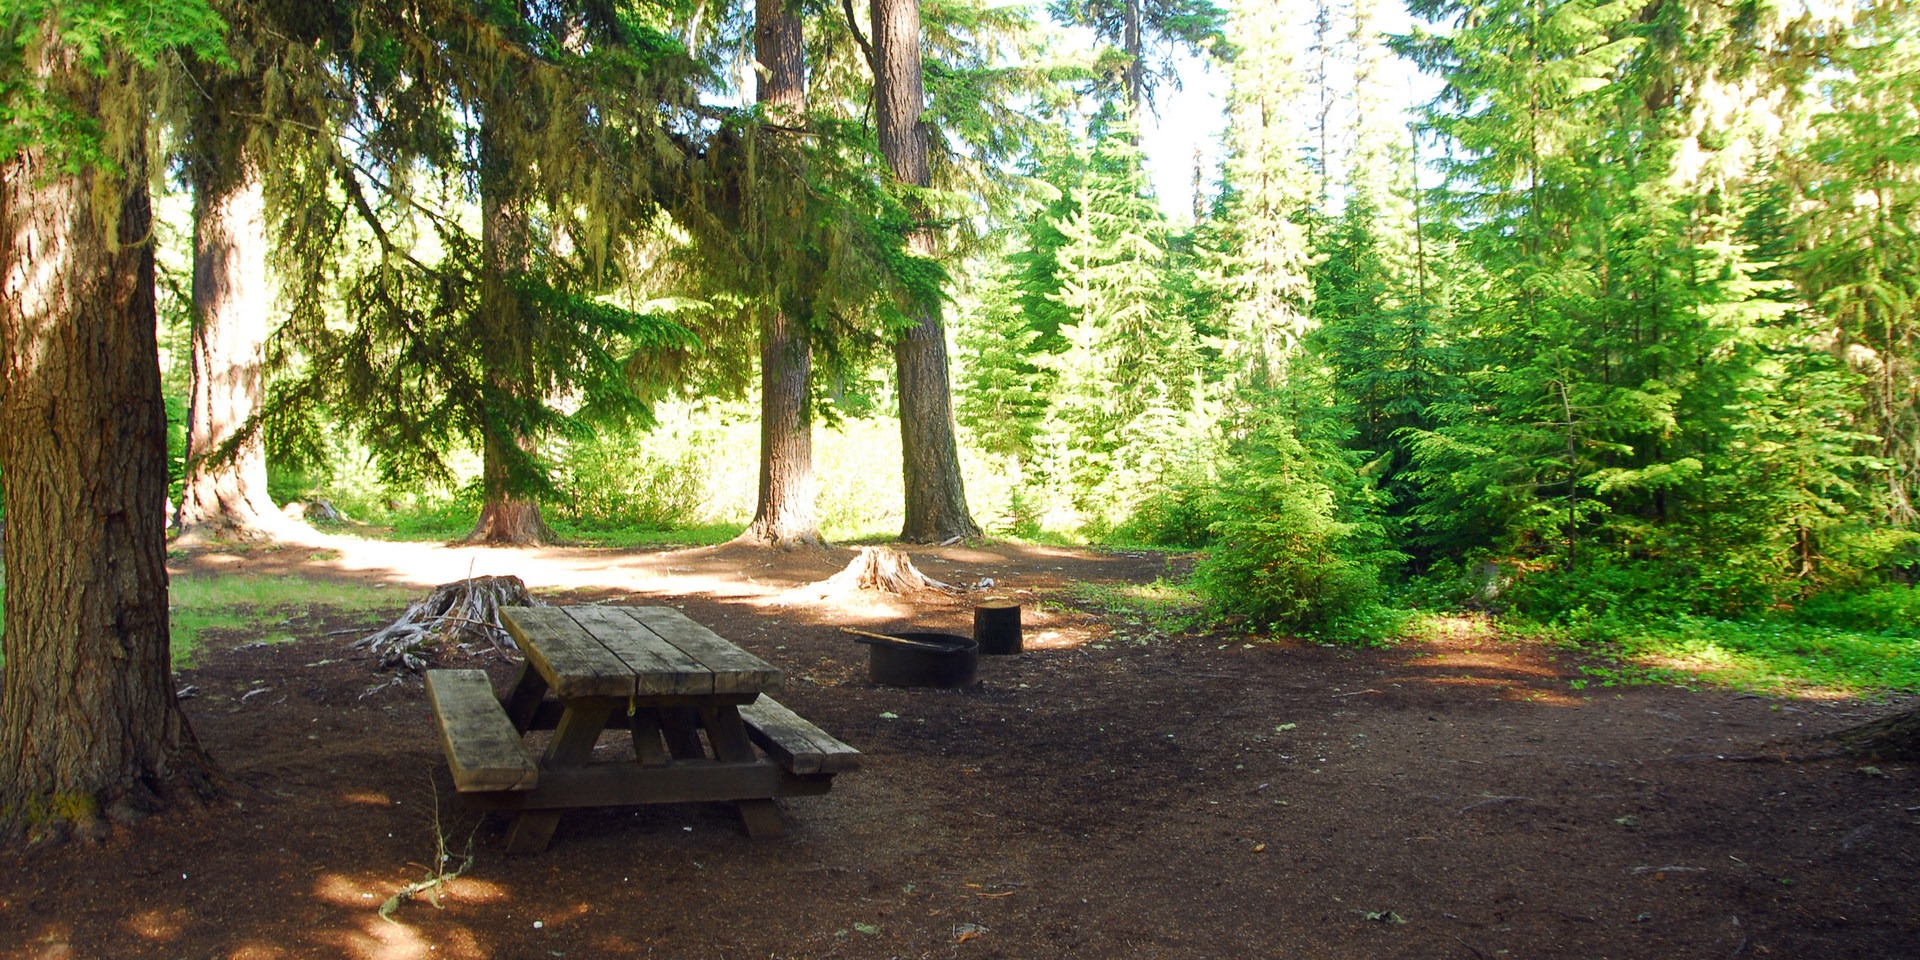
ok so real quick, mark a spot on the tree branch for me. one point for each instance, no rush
(866, 49)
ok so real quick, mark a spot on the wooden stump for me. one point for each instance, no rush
(996, 626)
(466, 612)
(882, 569)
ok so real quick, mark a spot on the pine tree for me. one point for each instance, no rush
(435, 338)
(90, 729)
(1148, 34)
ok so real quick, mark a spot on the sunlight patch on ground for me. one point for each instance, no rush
(379, 939)
(52, 944)
(367, 798)
(1472, 659)
(158, 925)
(1713, 664)
(259, 951)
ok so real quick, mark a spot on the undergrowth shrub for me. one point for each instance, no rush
(628, 479)
(1296, 546)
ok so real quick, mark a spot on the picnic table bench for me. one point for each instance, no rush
(694, 704)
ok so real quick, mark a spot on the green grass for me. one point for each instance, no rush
(1778, 656)
(616, 537)
(1141, 611)
(265, 609)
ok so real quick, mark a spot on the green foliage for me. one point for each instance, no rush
(613, 480)
(1157, 29)
(1775, 655)
(1179, 511)
(107, 39)
(1892, 610)
(1298, 548)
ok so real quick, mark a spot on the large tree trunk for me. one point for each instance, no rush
(226, 496)
(784, 516)
(509, 516)
(89, 727)
(936, 501)
(506, 518)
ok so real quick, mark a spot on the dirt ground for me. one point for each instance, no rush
(1108, 793)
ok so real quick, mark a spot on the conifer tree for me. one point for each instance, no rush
(558, 118)
(1260, 246)
(90, 730)
(784, 514)
(1148, 34)
(936, 501)
(225, 489)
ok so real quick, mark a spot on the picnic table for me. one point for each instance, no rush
(702, 726)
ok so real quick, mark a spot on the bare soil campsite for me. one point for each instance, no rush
(1113, 791)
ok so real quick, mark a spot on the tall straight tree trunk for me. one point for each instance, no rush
(1136, 66)
(225, 496)
(784, 515)
(89, 727)
(936, 501)
(508, 516)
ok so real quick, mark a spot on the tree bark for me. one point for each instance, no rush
(226, 496)
(1890, 738)
(936, 501)
(1136, 66)
(784, 515)
(90, 731)
(508, 517)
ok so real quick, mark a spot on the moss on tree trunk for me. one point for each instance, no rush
(90, 730)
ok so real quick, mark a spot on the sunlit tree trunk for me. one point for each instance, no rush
(226, 496)
(936, 501)
(784, 515)
(90, 731)
(508, 516)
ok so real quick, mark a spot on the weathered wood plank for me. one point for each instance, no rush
(796, 742)
(483, 749)
(659, 668)
(734, 670)
(574, 663)
(683, 781)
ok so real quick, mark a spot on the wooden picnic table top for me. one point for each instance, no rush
(634, 652)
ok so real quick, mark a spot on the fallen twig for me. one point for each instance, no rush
(438, 875)
(1491, 801)
(1476, 950)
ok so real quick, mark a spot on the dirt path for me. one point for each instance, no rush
(1111, 793)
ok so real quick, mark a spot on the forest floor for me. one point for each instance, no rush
(1113, 792)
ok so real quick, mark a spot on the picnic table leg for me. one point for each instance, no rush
(571, 746)
(648, 749)
(682, 731)
(523, 701)
(728, 734)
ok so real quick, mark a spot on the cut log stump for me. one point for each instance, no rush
(465, 613)
(879, 568)
(996, 626)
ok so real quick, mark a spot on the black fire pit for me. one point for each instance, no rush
(922, 659)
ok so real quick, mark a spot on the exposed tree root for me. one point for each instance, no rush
(878, 568)
(464, 612)
(1888, 738)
